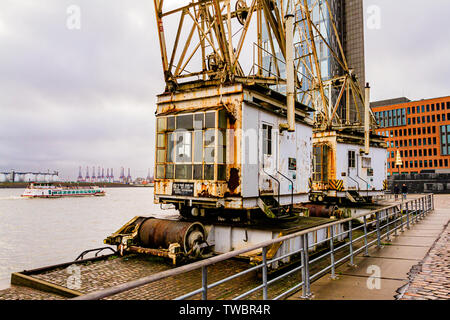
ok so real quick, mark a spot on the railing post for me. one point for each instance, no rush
(366, 250)
(416, 205)
(264, 272)
(422, 208)
(378, 229)
(350, 236)
(395, 220)
(418, 211)
(205, 283)
(401, 218)
(333, 270)
(407, 216)
(425, 206)
(395, 213)
(306, 280)
(387, 226)
(302, 257)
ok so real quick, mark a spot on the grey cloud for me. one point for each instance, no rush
(81, 97)
(408, 55)
(87, 97)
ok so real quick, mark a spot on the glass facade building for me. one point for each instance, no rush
(348, 18)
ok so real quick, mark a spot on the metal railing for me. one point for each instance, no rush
(373, 227)
(96, 250)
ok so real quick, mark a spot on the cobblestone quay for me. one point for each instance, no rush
(430, 280)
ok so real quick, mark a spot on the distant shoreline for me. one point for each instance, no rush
(22, 185)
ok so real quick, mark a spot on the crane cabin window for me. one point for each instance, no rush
(221, 142)
(161, 126)
(320, 163)
(367, 162)
(210, 120)
(171, 123)
(210, 138)
(198, 146)
(183, 147)
(199, 121)
(267, 139)
(183, 172)
(185, 122)
(192, 146)
(352, 159)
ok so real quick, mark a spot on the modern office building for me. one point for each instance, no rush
(418, 130)
(349, 20)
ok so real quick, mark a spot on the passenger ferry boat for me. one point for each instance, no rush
(49, 190)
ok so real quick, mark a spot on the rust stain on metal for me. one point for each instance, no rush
(234, 180)
(204, 191)
(328, 139)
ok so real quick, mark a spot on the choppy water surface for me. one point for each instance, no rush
(40, 232)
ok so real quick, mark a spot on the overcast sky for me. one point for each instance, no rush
(71, 97)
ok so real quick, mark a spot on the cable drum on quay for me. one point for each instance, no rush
(156, 233)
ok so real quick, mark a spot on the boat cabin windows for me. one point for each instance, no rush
(192, 146)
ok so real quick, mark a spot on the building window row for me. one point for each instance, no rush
(429, 107)
(428, 119)
(397, 117)
(408, 132)
(391, 118)
(431, 141)
(441, 163)
(414, 153)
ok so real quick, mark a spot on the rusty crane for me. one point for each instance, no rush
(244, 110)
(349, 161)
(233, 142)
(214, 83)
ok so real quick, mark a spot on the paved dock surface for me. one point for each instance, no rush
(114, 271)
(414, 265)
(408, 270)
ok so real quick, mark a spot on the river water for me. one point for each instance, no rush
(41, 232)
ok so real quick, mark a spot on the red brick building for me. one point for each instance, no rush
(419, 130)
